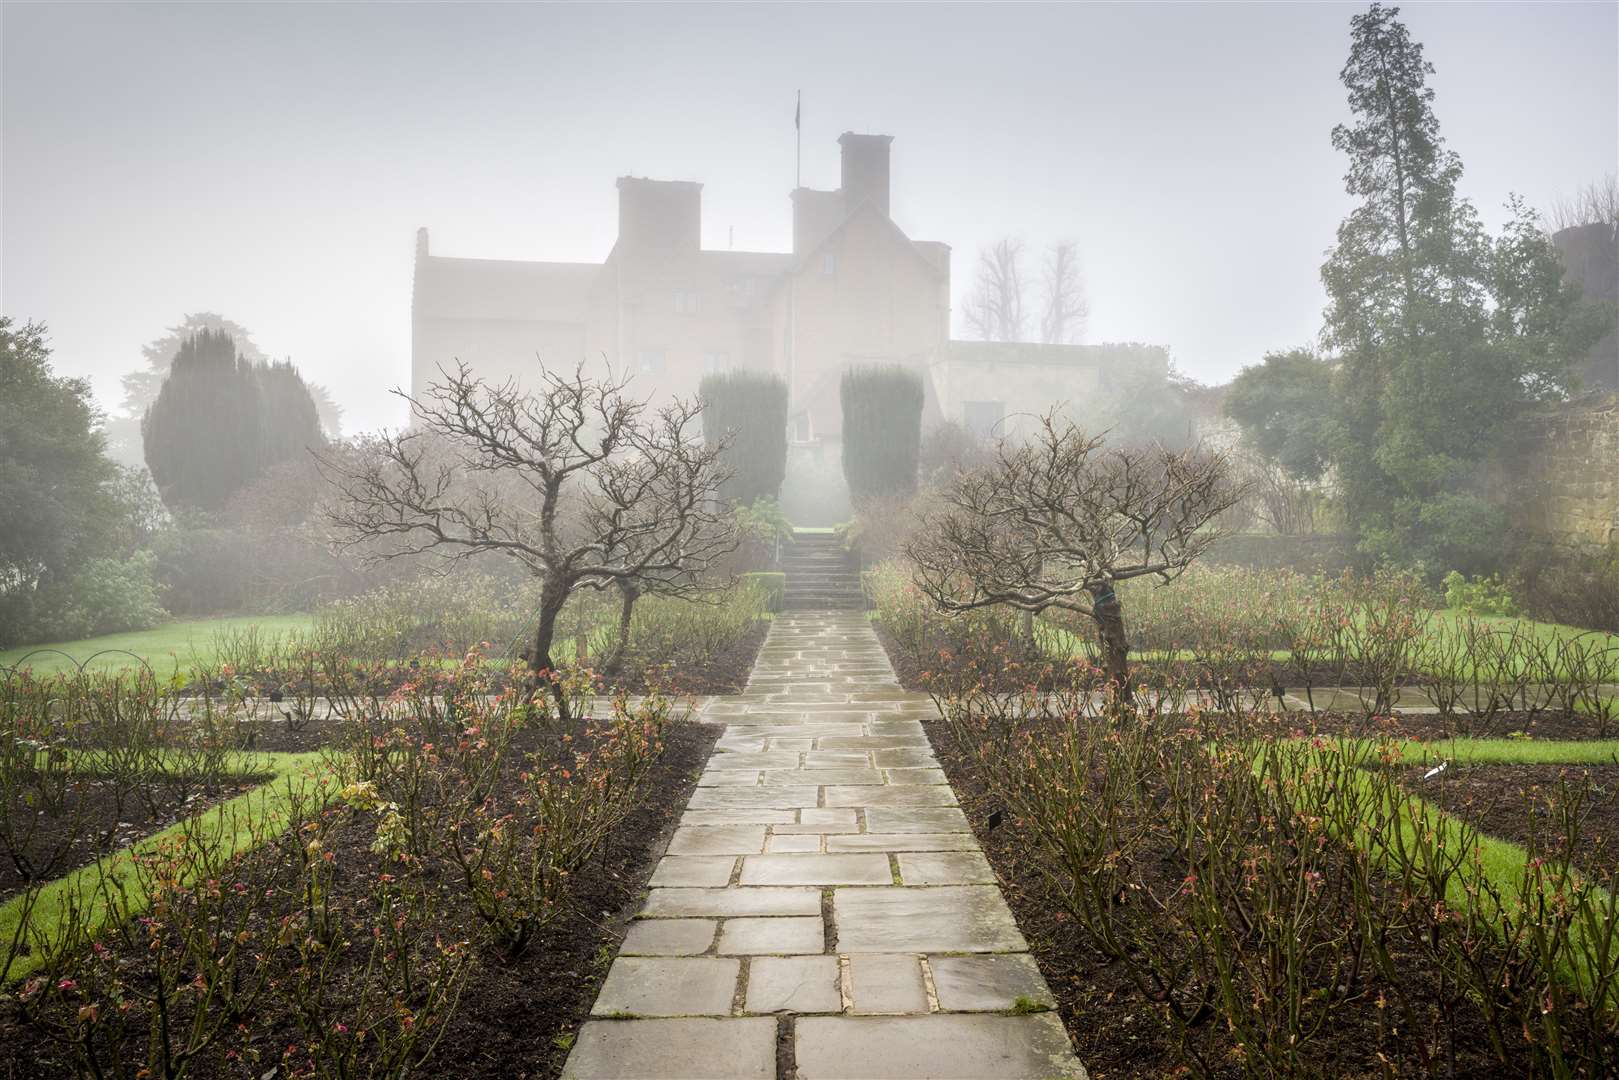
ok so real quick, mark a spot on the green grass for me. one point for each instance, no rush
(1443, 622)
(229, 828)
(1514, 752)
(177, 644)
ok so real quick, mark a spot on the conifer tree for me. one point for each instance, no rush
(749, 408)
(882, 429)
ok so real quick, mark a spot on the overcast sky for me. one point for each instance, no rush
(272, 162)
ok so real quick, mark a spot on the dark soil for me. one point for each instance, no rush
(1427, 727)
(95, 816)
(1118, 1033)
(725, 673)
(517, 1017)
(1522, 802)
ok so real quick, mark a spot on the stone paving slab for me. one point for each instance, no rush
(688, 1049)
(939, 1047)
(822, 871)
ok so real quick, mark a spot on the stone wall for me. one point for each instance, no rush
(1566, 467)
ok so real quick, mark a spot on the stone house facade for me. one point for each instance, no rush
(854, 289)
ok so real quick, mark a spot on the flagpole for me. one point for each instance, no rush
(792, 279)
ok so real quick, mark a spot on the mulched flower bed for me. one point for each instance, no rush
(1117, 1033)
(91, 822)
(1512, 801)
(516, 1018)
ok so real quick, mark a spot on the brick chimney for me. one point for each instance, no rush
(865, 170)
(659, 215)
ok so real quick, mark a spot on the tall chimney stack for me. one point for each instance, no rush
(865, 170)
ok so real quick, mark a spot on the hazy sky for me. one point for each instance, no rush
(272, 162)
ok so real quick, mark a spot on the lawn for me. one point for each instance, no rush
(182, 643)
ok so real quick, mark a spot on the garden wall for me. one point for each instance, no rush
(1565, 464)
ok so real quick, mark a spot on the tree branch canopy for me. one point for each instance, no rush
(583, 484)
(1055, 521)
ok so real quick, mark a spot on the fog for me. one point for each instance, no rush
(271, 163)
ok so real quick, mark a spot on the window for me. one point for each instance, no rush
(801, 427)
(829, 265)
(983, 418)
(716, 361)
(685, 302)
(649, 361)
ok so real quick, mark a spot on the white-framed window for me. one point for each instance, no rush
(685, 302)
(650, 361)
(802, 431)
(829, 264)
(714, 362)
(983, 418)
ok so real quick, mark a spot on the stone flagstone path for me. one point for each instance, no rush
(823, 910)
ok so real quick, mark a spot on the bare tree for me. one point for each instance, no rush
(1062, 318)
(581, 484)
(1058, 520)
(994, 308)
(1597, 203)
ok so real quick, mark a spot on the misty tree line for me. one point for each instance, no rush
(93, 545)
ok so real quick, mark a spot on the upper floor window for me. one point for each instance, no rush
(685, 302)
(650, 362)
(714, 362)
(829, 265)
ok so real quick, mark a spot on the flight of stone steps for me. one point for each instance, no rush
(821, 576)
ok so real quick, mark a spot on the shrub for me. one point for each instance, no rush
(882, 429)
(1480, 596)
(1577, 588)
(773, 584)
(751, 408)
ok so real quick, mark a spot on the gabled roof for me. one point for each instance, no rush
(925, 252)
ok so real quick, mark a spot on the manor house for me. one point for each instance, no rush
(854, 289)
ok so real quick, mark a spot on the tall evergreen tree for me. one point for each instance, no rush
(220, 420)
(1443, 337)
(882, 429)
(751, 409)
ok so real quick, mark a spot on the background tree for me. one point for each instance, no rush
(55, 480)
(747, 412)
(994, 308)
(882, 429)
(1284, 406)
(1064, 308)
(220, 421)
(1443, 337)
(141, 386)
(1597, 203)
(577, 482)
(73, 519)
(1059, 519)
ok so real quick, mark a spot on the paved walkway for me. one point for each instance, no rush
(823, 910)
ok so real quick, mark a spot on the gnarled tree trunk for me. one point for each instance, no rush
(1109, 616)
(628, 595)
